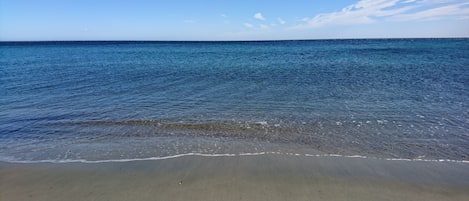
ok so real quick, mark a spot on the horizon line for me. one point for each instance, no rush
(253, 40)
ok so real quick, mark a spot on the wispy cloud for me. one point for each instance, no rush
(281, 21)
(456, 10)
(263, 26)
(248, 25)
(259, 16)
(371, 11)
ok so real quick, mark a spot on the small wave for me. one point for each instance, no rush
(229, 155)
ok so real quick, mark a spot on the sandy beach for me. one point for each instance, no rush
(262, 177)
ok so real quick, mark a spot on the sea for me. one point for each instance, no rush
(91, 101)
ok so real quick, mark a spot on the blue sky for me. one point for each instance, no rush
(230, 20)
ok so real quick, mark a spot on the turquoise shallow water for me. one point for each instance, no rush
(396, 98)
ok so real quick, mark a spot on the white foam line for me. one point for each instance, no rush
(388, 159)
(137, 159)
(233, 155)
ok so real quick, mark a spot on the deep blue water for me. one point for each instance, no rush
(395, 98)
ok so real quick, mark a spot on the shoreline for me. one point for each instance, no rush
(58, 161)
(250, 177)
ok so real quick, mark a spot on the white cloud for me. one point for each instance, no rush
(436, 13)
(248, 25)
(371, 11)
(259, 16)
(263, 26)
(281, 21)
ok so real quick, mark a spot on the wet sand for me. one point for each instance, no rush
(263, 177)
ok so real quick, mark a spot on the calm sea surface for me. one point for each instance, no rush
(125, 100)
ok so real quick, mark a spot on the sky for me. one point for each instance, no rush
(46, 20)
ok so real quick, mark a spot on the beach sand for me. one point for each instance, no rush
(262, 177)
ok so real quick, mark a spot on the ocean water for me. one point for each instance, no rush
(394, 98)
